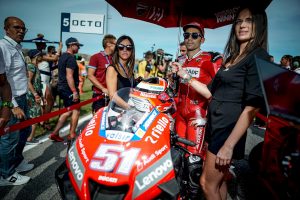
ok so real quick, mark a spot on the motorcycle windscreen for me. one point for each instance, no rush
(125, 114)
(281, 89)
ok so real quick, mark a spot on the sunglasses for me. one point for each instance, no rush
(121, 47)
(195, 36)
(18, 28)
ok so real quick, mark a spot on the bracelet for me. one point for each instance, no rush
(75, 93)
(35, 94)
(191, 80)
(7, 104)
(185, 76)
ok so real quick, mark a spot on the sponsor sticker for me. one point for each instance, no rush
(226, 15)
(157, 130)
(153, 174)
(108, 179)
(76, 166)
(118, 135)
(82, 149)
(103, 123)
(148, 95)
(145, 125)
(193, 71)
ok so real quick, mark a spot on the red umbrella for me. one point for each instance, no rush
(175, 13)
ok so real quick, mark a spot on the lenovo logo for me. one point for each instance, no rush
(154, 175)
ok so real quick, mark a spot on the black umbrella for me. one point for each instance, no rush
(40, 39)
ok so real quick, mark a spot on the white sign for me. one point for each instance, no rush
(82, 23)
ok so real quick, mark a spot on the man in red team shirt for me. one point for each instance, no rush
(190, 118)
(97, 68)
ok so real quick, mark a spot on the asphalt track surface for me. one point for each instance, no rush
(48, 155)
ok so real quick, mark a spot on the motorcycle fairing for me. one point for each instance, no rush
(152, 175)
(76, 166)
(139, 166)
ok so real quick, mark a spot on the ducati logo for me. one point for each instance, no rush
(141, 9)
(150, 12)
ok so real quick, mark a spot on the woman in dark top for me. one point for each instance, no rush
(120, 74)
(235, 96)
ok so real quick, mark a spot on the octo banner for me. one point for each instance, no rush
(82, 23)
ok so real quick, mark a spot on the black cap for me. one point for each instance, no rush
(71, 41)
(194, 25)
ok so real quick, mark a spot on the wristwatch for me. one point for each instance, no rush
(8, 104)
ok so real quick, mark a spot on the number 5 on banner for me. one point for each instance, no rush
(107, 156)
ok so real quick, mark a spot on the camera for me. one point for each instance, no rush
(160, 57)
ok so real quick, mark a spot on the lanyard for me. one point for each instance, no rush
(130, 79)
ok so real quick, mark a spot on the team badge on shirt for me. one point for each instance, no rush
(193, 71)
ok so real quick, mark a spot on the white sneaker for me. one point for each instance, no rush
(24, 166)
(15, 179)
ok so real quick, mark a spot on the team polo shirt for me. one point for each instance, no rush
(100, 61)
(202, 69)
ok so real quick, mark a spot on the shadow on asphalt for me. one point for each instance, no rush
(42, 175)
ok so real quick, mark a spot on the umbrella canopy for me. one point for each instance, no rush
(176, 13)
(38, 40)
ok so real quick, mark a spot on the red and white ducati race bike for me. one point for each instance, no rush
(128, 151)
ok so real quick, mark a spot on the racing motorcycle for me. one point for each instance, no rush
(129, 151)
(276, 161)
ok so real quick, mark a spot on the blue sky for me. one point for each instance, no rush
(44, 17)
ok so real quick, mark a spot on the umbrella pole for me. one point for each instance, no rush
(60, 35)
(179, 33)
(59, 100)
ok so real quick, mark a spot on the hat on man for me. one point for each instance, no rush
(71, 41)
(194, 25)
(32, 53)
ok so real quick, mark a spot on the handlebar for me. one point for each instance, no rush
(186, 142)
(175, 138)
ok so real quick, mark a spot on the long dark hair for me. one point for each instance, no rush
(131, 60)
(260, 28)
